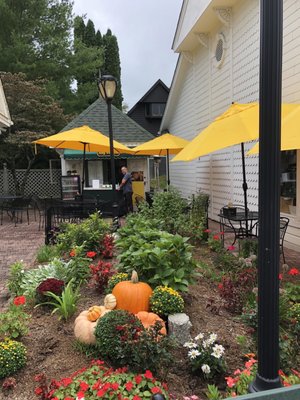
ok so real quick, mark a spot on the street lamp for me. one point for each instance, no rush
(107, 86)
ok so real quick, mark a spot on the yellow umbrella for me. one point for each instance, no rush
(238, 124)
(163, 145)
(290, 133)
(85, 139)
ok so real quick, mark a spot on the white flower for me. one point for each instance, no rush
(205, 344)
(193, 354)
(212, 338)
(205, 368)
(190, 345)
(218, 351)
(199, 337)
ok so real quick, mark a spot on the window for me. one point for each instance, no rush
(155, 110)
(288, 182)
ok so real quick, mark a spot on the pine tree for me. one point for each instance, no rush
(90, 35)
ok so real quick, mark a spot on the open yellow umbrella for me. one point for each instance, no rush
(290, 132)
(238, 124)
(85, 139)
(163, 145)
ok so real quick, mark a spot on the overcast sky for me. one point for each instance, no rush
(145, 30)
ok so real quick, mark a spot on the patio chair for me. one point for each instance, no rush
(38, 208)
(18, 206)
(235, 227)
(284, 222)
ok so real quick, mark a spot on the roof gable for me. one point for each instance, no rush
(125, 130)
(5, 120)
(148, 95)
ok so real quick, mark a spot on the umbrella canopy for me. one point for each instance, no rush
(290, 132)
(85, 139)
(238, 124)
(163, 145)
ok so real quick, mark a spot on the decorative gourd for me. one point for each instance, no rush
(148, 319)
(110, 301)
(132, 295)
(84, 329)
(95, 312)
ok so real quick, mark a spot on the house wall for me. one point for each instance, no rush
(202, 91)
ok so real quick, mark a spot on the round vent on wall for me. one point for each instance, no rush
(220, 50)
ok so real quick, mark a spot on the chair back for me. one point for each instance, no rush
(284, 222)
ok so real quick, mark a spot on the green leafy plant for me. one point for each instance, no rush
(46, 253)
(292, 291)
(159, 257)
(242, 378)
(214, 242)
(13, 322)
(248, 247)
(213, 393)
(66, 304)
(89, 234)
(165, 301)
(205, 355)
(116, 278)
(99, 381)
(16, 272)
(12, 357)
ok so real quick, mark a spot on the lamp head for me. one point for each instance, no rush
(107, 86)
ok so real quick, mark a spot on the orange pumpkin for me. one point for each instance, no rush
(133, 295)
(95, 312)
(148, 319)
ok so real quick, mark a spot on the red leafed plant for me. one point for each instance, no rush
(53, 285)
(108, 246)
(101, 274)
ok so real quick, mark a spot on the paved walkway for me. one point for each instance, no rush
(17, 243)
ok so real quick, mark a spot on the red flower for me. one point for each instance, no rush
(80, 395)
(20, 300)
(72, 253)
(294, 271)
(115, 386)
(216, 237)
(66, 381)
(207, 231)
(220, 286)
(129, 386)
(138, 379)
(231, 248)
(155, 390)
(38, 391)
(230, 381)
(280, 276)
(84, 386)
(91, 254)
(137, 397)
(148, 374)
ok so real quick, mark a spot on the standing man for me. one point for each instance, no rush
(126, 186)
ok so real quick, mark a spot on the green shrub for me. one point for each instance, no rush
(159, 258)
(248, 247)
(16, 272)
(12, 357)
(292, 291)
(122, 340)
(116, 278)
(89, 234)
(46, 253)
(165, 301)
(13, 322)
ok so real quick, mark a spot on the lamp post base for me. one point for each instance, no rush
(116, 222)
(260, 384)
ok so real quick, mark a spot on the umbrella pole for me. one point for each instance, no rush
(245, 186)
(83, 169)
(168, 169)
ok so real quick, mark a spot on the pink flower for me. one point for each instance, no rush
(207, 231)
(216, 237)
(231, 248)
(294, 271)
(237, 372)
(280, 276)
(230, 381)
(249, 363)
(38, 391)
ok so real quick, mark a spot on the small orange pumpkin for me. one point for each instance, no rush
(95, 312)
(84, 329)
(148, 319)
(133, 295)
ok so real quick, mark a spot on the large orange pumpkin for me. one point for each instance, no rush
(148, 319)
(132, 295)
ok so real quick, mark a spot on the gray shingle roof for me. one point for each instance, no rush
(125, 130)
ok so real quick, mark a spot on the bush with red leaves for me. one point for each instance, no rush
(53, 285)
(108, 246)
(101, 274)
(236, 289)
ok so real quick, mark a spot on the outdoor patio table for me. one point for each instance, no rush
(242, 224)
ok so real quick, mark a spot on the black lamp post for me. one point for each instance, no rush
(107, 85)
(269, 195)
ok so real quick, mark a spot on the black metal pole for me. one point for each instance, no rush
(112, 166)
(168, 168)
(245, 186)
(269, 195)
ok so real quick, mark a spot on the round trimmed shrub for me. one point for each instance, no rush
(166, 301)
(12, 357)
(117, 332)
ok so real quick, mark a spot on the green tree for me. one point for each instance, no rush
(35, 114)
(112, 64)
(90, 34)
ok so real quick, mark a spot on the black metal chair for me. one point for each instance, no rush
(18, 206)
(38, 208)
(235, 227)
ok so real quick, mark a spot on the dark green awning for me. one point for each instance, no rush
(78, 155)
